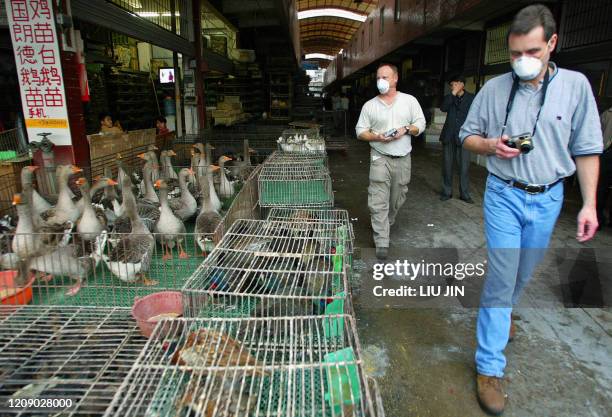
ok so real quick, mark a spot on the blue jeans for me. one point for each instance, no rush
(518, 226)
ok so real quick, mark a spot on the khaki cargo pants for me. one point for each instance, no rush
(389, 178)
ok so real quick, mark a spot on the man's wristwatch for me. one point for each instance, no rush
(407, 127)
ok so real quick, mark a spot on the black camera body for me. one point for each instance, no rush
(522, 142)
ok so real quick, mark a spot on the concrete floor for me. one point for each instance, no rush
(559, 364)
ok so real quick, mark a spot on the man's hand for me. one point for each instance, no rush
(503, 151)
(401, 131)
(587, 224)
(454, 90)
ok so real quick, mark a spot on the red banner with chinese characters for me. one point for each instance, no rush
(37, 57)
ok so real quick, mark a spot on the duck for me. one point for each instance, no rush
(71, 261)
(130, 259)
(65, 210)
(186, 206)
(214, 199)
(226, 187)
(207, 221)
(92, 222)
(170, 228)
(149, 195)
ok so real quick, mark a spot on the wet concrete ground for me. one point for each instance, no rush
(560, 362)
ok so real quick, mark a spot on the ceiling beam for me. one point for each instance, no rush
(246, 6)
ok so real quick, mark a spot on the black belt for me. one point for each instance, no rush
(395, 156)
(531, 189)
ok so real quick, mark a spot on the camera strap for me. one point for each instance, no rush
(515, 87)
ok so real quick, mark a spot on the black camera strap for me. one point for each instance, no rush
(515, 87)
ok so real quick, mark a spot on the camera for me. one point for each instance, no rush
(522, 142)
(390, 133)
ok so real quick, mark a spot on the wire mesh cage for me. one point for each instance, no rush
(268, 269)
(289, 367)
(290, 158)
(291, 185)
(308, 216)
(12, 145)
(110, 270)
(64, 361)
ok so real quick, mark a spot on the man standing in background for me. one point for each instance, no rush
(456, 106)
(387, 122)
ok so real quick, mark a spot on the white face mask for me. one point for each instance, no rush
(527, 67)
(382, 85)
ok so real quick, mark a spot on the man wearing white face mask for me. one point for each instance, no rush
(387, 121)
(538, 125)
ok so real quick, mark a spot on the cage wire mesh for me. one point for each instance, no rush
(295, 185)
(264, 269)
(63, 353)
(13, 145)
(281, 366)
(337, 217)
(289, 158)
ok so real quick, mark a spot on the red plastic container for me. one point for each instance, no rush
(22, 295)
(153, 305)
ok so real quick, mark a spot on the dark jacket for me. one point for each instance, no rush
(456, 109)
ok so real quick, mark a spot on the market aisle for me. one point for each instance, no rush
(423, 358)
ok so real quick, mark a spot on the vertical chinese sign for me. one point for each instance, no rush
(37, 58)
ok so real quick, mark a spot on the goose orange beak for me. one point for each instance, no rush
(97, 177)
(171, 153)
(190, 171)
(141, 155)
(157, 184)
(16, 199)
(111, 181)
(227, 158)
(76, 169)
(215, 167)
(81, 181)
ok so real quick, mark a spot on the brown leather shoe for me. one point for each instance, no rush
(512, 331)
(490, 394)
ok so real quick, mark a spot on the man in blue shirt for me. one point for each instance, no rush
(555, 113)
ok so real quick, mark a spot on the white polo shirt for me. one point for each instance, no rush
(378, 116)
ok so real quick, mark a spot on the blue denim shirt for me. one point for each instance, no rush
(569, 125)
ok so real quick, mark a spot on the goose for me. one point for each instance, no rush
(214, 199)
(39, 204)
(149, 215)
(130, 259)
(207, 221)
(149, 192)
(71, 261)
(65, 210)
(226, 187)
(165, 159)
(97, 190)
(121, 173)
(25, 242)
(170, 227)
(186, 206)
(92, 222)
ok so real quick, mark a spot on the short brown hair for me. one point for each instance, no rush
(532, 17)
(384, 64)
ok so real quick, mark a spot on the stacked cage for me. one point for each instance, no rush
(300, 366)
(272, 269)
(65, 361)
(295, 180)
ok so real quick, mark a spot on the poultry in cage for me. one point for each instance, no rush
(185, 206)
(93, 220)
(65, 210)
(208, 219)
(170, 229)
(216, 397)
(39, 204)
(149, 214)
(165, 159)
(71, 260)
(226, 187)
(210, 347)
(148, 170)
(130, 259)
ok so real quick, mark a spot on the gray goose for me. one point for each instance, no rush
(207, 221)
(186, 206)
(170, 228)
(130, 259)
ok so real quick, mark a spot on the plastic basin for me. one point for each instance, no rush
(11, 294)
(152, 305)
